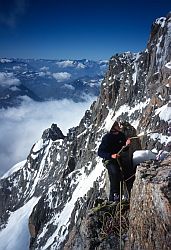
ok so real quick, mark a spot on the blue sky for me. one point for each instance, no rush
(76, 29)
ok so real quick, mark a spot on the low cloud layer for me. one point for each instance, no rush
(21, 127)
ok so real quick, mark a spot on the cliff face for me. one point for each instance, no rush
(64, 173)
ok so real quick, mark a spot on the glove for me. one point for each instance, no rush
(115, 156)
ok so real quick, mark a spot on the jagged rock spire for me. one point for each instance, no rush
(54, 133)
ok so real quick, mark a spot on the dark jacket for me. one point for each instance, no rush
(111, 144)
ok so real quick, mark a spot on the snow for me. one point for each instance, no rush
(41, 168)
(154, 150)
(134, 76)
(162, 155)
(34, 156)
(16, 234)
(162, 138)
(109, 121)
(135, 123)
(140, 156)
(123, 109)
(15, 168)
(158, 51)
(168, 65)
(161, 21)
(164, 112)
(82, 133)
(62, 220)
(38, 145)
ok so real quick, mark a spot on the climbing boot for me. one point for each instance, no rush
(116, 197)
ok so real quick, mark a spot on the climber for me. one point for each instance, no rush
(111, 144)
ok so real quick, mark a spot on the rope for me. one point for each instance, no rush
(130, 177)
(123, 179)
(120, 218)
(120, 199)
(122, 149)
(146, 133)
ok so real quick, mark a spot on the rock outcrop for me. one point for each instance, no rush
(150, 207)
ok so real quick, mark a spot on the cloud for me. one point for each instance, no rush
(68, 86)
(70, 63)
(67, 63)
(81, 66)
(8, 79)
(11, 10)
(16, 67)
(61, 76)
(44, 68)
(14, 88)
(21, 127)
(5, 60)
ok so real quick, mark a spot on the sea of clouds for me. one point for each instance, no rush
(22, 126)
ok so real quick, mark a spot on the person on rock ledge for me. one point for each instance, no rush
(111, 144)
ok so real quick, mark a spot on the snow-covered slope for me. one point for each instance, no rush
(64, 174)
(16, 234)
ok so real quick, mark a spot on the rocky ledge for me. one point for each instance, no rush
(150, 207)
(145, 221)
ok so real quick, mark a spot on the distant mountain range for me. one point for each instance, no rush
(42, 80)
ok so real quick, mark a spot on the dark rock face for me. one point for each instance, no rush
(54, 133)
(100, 228)
(65, 172)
